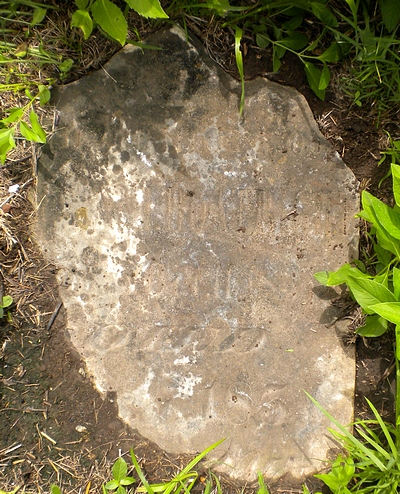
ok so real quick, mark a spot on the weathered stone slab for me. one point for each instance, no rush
(187, 241)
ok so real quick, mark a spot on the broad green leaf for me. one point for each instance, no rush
(277, 53)
(148, 8)
(262, 40)
(390, 13)
(396, 284)
(111, 19)
(7, 301)
(44, 94)
(384, 238)
(7, 143)
(127, 481)
(119, 469)
(296, 41)
(111, 485)
(37, 128)
(324, 14)
(82, 20)
(120, 490)
(14, 115)
(314, 77)
(383, 255)
(388, 242)
(82, 4)
(396, 182)
(368, 293)
(28, 133)
(66, 65)
(342, 472)
(385, 216)
(339, 277)
(322, 277)
(389, 311)
(325, 78)
(331, 54)
(397, 333)
(29, 94)
(54, 489)
(38, 15)
(293, 23)
(374, 326)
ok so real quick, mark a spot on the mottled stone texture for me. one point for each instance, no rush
(186, 241)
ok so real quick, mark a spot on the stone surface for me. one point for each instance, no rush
(186, 241)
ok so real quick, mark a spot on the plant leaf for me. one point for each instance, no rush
(7, 301)
(333, 278)
(37, 128)
(127, 481)
(296, 41)
(82, 20)
(390, 13)
(66, 65)
(239, 64)
(396, 284)
(389, 311)
(325, 78)
(120, 469)
(44, 94)
(38, 15)
(374, 326)
(396, 182)
(331, 54)
(14, 115)
(262, 488)
(386, 216)
(148, 8)
(314, 77)
(28, 133)
(111, 485)
(324, 14)
(111, 19)
(82, 4)
(387, 241)
(358, 445)
(368, 293)
(7, 142)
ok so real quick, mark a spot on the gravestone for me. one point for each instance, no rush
(186, 240)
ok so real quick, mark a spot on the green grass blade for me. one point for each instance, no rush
(384, 429)
(200, 456)
(355, 442)
(140, 473)
(239, 64)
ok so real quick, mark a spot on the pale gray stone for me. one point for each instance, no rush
(186, 241)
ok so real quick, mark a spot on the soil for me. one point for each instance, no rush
(54, 426)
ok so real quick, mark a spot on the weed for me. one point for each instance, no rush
(5, 302)
(182, 482)
(110, 18)
(120, 479)
(15, 120)
(378, 294)
(373, 462)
